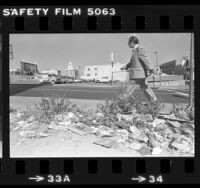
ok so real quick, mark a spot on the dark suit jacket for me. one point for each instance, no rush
(138, 64)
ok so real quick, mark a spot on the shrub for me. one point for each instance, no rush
(122, 104)
(183, 112)
(52, 105)
(147, 107)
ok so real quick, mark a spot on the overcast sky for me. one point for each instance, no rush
(56, 50)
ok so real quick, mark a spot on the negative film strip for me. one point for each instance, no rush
(99, 94)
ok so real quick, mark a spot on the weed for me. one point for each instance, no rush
(147, 107)
(122, 104)
(12, 110)
(53, 105)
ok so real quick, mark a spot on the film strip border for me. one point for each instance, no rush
(126, 19)
(105, 170)
(101, 171)
(116, 23)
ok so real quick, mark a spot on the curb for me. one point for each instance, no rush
(179, 93)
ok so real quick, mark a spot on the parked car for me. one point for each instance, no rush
(117, 81)
(64, 81)
(104, 79)
(52, 79)
(69, 80)
(77, 81)
(58, 81)
(43, 79)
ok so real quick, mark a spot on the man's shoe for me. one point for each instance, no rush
(155, 102)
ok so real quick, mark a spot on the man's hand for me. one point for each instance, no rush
(123, 68)
(150, 72)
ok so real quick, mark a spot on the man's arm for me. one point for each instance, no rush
(142, 56)
(126, 67)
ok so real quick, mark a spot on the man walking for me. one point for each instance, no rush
(139, 67)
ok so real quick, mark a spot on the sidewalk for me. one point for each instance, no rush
(88, 85)
(117, 85)
(176, 87)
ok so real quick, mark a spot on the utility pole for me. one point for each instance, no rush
(112, 60)
(156, 58)
(79, 71)
(191, 71)
(158, 69)
(155, 68)
(11, 54)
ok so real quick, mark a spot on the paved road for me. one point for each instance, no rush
(93, 93)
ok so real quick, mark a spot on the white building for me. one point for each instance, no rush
(71, 71)
(93, 72)
(52, 71)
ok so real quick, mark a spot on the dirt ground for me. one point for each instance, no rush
(60, 144)
(65, 145)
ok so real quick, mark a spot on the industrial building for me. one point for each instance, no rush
(175, 67)
(168, 67)
(29, 69)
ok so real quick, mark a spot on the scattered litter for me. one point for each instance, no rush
(166, 108)
(134, 130)
(16, 128)
(147, 117)
(181, 145)
(152, 141)
(21, 141)
(144, 150)
(172, 117)
(23, 133)
(182, 114)
(101, 132)
(169, 133)
(123, 135)
(174, 123)
(59, 117)
(65, 123)
(157, 122)
(20, 123)
(94, 121)
(118, 146)
(43, 134)
(99, 114)
(126, 117)
(80, 129)
(106, 142)
(135, 146)
(70, 115)
(156, 151)
(138, 134)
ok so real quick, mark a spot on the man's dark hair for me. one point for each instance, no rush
(134, 39)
